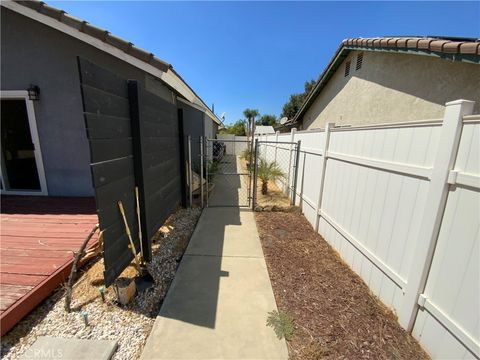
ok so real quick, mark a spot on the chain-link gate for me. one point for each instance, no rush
(275, 170)
(228, 172)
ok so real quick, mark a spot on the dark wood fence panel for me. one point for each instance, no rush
(133, 137)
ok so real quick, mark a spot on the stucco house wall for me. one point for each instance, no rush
(33, 53)
(392, 87)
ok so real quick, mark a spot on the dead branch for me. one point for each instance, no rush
(73, 272)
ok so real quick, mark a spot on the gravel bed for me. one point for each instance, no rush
(129, 325)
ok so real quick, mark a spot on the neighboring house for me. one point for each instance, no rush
(264, 130)
(44, 139)
(384, 80)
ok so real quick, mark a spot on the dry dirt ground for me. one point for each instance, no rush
(274, 197)
(335, 315)
(129, 325)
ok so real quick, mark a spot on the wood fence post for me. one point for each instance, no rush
(326, 142)
(434, 208)
(138, 136)
(190, 175)
(181, 142)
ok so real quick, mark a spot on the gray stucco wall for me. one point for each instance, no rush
(33, 53)
(392, 87)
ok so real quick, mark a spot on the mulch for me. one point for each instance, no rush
(335, 314)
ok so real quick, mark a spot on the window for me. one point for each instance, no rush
(347, 68)
(359, 61)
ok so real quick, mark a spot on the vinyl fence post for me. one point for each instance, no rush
(255, 169)
(326, 143)
(295, 174)
(276, 144)
(190, 176)
(434, 208)
(201, 171)
(292, 140)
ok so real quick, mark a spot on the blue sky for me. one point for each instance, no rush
(255, 54)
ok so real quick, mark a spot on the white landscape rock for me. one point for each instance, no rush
(128, 326)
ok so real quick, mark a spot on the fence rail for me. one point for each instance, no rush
(401, 204)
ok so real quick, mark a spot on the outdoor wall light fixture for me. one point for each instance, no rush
(33, 92)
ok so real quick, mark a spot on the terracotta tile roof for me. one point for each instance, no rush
(430, 43)
(105, 36)
(97, 33)
(462, 49)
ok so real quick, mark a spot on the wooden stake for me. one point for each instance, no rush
(129, 234)
(142, 259)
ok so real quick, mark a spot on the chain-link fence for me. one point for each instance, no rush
(275, 173)
(195, 164)
(228, 175)
(225, 172)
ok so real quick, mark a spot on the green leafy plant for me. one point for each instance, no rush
(247, 153)
(268, 171)
(212, 169)
(282, 324)
(237, 128)
(296, 100)
(267, 120)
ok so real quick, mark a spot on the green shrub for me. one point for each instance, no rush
(212, 169)
(282, 324)
(246, 154)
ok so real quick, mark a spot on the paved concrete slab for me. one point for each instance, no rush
(231, 183)
(217, 305)
(76, 349)
(226, 232)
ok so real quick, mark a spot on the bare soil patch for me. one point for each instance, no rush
(275, 197)
(335, 314)
(128, 325)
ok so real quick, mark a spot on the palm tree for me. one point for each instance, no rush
(251, 114)
(268, 171)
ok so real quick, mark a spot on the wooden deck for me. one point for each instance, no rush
(38, 237)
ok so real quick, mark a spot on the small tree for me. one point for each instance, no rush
(268, 171)
(296, 100)
(250, 114)
(237, 128)
(267, 120)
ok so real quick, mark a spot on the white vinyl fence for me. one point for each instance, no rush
(237, 144)
(401, 205)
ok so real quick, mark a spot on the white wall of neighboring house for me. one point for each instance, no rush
(388, 86)
(401, 205)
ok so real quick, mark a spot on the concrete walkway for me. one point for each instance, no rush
(217, 305)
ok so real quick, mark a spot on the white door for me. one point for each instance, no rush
(22, 171)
